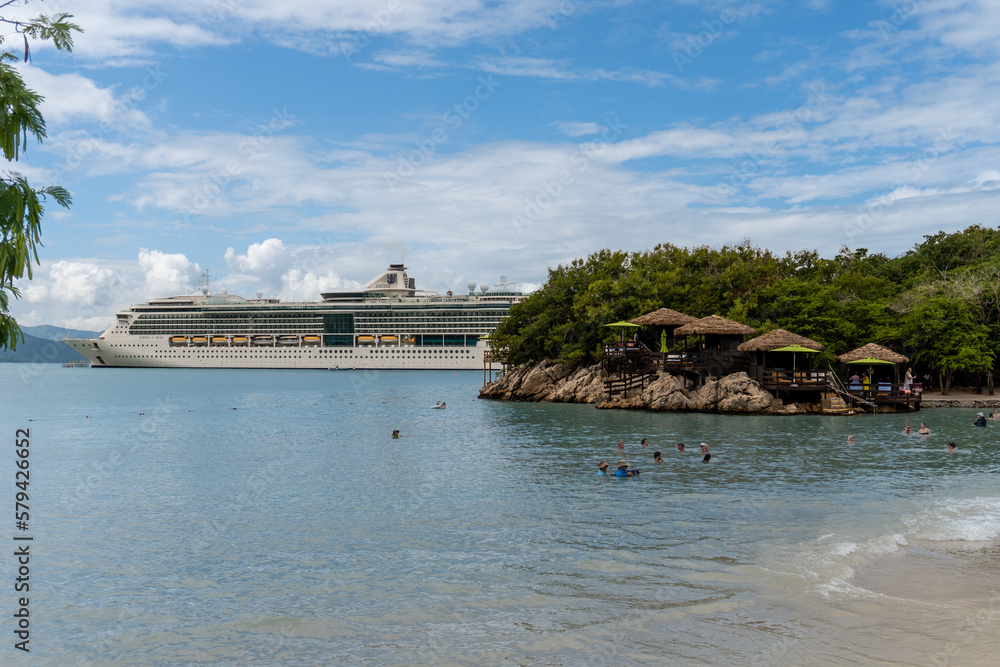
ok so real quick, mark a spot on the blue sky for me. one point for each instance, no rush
(296, 147)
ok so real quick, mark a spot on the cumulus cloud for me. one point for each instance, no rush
(167, 274)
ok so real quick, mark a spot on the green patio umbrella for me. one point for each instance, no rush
(871, 361)
(622, 324)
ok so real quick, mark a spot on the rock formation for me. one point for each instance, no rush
(558, 383)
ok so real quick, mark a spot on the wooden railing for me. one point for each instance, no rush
(885, 390)
(623, 384)
(794, 380)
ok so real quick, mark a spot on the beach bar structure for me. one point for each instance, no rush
(782, 362)
(874, 376)
(666, 322)
(716, 352)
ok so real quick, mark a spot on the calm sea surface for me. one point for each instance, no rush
(267, 517)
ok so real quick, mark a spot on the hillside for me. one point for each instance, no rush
(43, 344)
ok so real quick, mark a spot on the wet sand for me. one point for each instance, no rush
(955, 574)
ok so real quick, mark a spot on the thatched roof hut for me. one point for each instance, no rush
(777, 339)
(875, 352)
(664, 317)
(713, 324)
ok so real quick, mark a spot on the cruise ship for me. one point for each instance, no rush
(389, 325)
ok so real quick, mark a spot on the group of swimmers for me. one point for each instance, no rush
(623, 470)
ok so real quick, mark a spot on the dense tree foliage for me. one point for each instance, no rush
(21, 205)
(939, 303)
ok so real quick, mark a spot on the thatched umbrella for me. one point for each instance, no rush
(872, 351)
(664, 317)
(874, 354)
(783, 341)
(668, 319)
(714, 324)
(776, 339)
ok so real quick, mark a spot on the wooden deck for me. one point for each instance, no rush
(774, 380)
(888, 394)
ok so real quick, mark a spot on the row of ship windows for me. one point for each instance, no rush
(400, 317)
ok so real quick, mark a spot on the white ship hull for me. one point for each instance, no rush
(388, 325)
(157, 352)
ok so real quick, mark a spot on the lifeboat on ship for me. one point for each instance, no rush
(366, 340)
(240, 340)
(409, 341)
(178, 340)
(288, 340)
(263, 340)
(311, 340)
(199, 340)
(219, 340)
(388, 339)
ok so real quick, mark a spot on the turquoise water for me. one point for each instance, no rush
(171, 528)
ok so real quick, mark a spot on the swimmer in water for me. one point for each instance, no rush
(621, 444)
(923, 429)
(907, 429)
(850, 439)
(680, 447)
(708, 454)
(951, 447)
(644, 443)
(657, 458)
(623, 470)
(395, 433)
(602, 468)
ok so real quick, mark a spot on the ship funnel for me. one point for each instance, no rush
(260, 294)
(483, 287)
(471, 285)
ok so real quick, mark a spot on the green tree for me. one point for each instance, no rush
(21, 205)
(947, 338)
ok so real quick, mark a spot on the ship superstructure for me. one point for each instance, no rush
(389, 324)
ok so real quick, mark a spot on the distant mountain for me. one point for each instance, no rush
(58, 333)
(40, 350)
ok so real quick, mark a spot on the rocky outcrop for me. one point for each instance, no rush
(557, 383)
(545, 381)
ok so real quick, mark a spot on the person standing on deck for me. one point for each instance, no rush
(908, 381)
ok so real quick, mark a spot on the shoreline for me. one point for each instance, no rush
(959, 399)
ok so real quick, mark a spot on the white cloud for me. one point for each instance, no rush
(572, 128)
(72, 97)
(167, 274)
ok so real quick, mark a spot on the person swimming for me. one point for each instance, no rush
(602, 468)
(644, 443)
(395, 433)
(951, 447)
(621, 445)
(850, 439)
(680, 447)
(623, 470)
(923, 429)
(657, 458)
(980, 420)
(706, 452)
